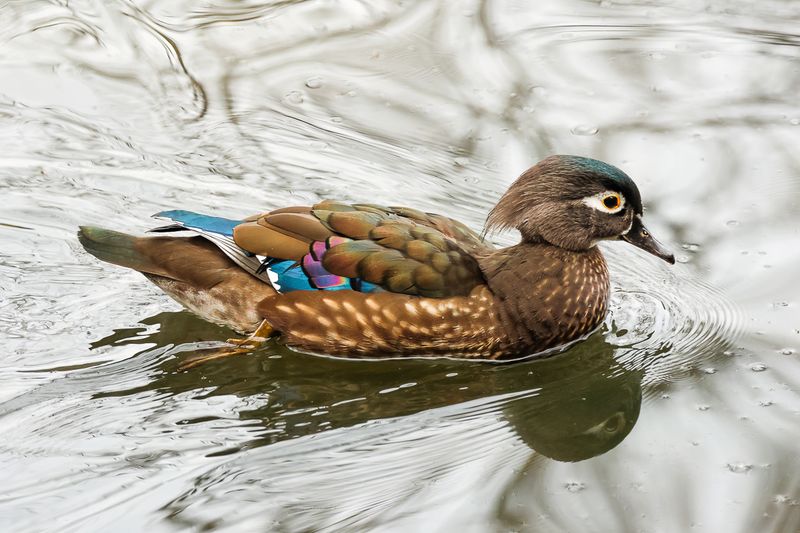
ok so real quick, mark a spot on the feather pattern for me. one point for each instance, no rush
(219, 231)
(285, 275)
(336, 246)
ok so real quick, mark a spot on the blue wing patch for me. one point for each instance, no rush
(196, 221)
(288, 276)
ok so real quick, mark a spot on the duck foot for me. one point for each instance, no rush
(241, 346)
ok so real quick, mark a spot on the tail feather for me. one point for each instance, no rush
(192, 270)
(115, 247)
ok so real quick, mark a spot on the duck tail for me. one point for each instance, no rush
(114, 247)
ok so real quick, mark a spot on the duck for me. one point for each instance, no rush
(371, 281)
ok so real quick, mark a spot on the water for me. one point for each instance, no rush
(682, 413)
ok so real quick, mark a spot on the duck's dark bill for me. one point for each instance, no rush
(640, 237)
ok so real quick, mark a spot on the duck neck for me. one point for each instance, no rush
(546, 295)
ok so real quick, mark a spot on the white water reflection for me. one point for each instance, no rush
(111, 111)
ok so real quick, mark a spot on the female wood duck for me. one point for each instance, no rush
(364, 280)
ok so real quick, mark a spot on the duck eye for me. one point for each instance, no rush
(611, 201)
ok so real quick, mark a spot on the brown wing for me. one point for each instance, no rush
(400, 249)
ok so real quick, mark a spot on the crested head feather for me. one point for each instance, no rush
(538, 203)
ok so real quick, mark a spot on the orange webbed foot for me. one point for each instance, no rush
(241, 346)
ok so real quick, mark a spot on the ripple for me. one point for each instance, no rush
(667, 320)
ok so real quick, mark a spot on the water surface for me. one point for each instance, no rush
(681, 413)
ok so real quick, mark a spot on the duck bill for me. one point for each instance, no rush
(640, 237)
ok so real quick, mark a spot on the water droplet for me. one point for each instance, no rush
(783, 498)
(665, 396)
(294, 97)
(732, 223)
(703, 407)
(758, 367)
(765, 403)
(574, 486)
(709, 370)
(314, 83)
(336, 120)
(539, 91)
(584, 129)
(690, 246)
(739, 468)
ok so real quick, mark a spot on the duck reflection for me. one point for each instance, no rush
(587, 404)
(570, 407)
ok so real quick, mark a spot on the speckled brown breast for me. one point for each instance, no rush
(545, 295)
(537, 297)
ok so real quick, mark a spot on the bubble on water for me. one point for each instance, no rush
(690, 246)
(461, 161)
(758, 367)
(584, 129)
(683, 259)
(703, 407)
(538, 91)
(732, 223)
(781, 304)
(336, 120)
(294, 97)
(710, 370)
(765, 403)
(665, 396)
(739, 468)
(574, 486)
(783, 498)
(314, 83)
(794, 121)
(787, 351)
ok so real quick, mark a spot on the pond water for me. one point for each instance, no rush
(681, 414)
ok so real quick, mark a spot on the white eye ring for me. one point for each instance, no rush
(599, 202)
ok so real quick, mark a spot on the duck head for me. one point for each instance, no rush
(575, 202)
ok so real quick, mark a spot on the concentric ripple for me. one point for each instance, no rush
(665, 318)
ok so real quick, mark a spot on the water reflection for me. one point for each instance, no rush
(569, 407)
(111, 111)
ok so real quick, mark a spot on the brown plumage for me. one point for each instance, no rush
(371, 281)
